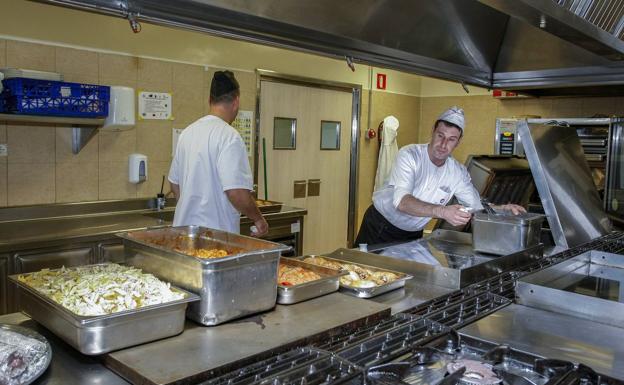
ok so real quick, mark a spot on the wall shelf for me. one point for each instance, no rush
(83, 129)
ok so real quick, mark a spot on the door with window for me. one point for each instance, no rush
(307, 132)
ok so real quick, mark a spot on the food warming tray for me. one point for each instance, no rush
(266, 206)
(242, 283)
(104, 333)
(328, 283)
(368, 292)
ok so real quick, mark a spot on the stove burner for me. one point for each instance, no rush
(477, 373)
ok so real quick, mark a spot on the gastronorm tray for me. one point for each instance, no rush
(328, 283)
(100, 334)
(368, 292)
(266, 206)
(242, 283)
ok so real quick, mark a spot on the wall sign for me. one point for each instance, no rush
(243, 124)
(155, 105)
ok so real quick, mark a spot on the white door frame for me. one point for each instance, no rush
(356, 105)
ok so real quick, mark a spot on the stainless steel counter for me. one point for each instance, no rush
(555, 335)
(21, 233)
(68, 366)
(201, 351)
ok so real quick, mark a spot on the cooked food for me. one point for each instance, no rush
(359, 276)
(289, 275)
(204, 253)
(100, 289)
(22, 357)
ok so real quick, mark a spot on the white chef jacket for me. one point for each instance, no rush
(210, 159)
(414, 173)
(387, 152)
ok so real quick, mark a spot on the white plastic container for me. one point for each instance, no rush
(137, 168)
(121, 109)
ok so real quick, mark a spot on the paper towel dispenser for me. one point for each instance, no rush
(121, 110)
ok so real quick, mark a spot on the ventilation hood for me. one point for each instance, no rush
(540, 47)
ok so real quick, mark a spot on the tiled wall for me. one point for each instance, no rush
(41, 168)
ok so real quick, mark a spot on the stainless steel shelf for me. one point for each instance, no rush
(51, 119)
(83, 129)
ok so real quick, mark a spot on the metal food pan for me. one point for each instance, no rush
(266, 206)
(368, 292)
(234, 286)
(93, 335)
(328, 283)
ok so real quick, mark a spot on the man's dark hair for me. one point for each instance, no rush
(447, 123)
(224, 87)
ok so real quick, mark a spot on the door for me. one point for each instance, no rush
(317, 159)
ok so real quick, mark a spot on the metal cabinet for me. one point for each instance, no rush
(110, 252)
(4, 272)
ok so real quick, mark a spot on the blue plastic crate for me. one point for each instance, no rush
(47, 97)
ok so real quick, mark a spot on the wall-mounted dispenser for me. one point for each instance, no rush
(137, 168)
(121, 109)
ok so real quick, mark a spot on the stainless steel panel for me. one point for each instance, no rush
(93, 335)
(589, 286)
(564, 182)
(111, 252)
(554, 335)
(35, 260)
(505, 234)
(328, 283)
(445, 259)
(242, 283)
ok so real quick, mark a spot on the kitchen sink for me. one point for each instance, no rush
(166, 215)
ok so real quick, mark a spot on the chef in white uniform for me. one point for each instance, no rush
(210, 174)
(423, 180)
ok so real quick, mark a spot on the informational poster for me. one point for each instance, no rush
(244, 125)
(155, 105)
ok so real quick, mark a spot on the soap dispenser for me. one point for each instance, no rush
(137, 168)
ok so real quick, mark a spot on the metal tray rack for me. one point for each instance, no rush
(369, 292)
(240, 284)
(328, 283)
(93, 335)
(396, 342)
(468, 310)
(353, 337)
(299, 366)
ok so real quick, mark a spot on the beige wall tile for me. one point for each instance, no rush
(247, 101)
(3, 185)
(115, 146)
(153, 138)
(188, 105)
(246, 81)
(31, 143)
(117, 81)
(76, 62)
(155, 72)
(567, 107)
(82, 78)
(151, 186)
(30, 183)
(113, 181)
(76, 182)
(118, 66)
(598, 106)
(64, 154)
(2, 53)
(187, 75)
(30, 56)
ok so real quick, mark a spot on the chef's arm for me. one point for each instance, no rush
(244, 202)
(452, 214)
(176, 190)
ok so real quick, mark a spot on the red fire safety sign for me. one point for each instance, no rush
(381, 81)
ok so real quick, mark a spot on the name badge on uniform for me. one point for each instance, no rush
(446, 190)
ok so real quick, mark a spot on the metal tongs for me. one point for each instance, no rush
(488, 209)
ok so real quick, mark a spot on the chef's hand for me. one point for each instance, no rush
(454, 214)
(515, 209)
(260, 228)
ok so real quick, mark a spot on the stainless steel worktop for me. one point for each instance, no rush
(554, 335)
(68, 366)
(94, 225)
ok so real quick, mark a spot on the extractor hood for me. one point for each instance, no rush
(541, 47)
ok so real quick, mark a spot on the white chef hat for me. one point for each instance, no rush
(454, 115)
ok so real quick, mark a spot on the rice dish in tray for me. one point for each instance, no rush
(100, 289)
(359, 276)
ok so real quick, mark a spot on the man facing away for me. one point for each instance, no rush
(210, 173)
